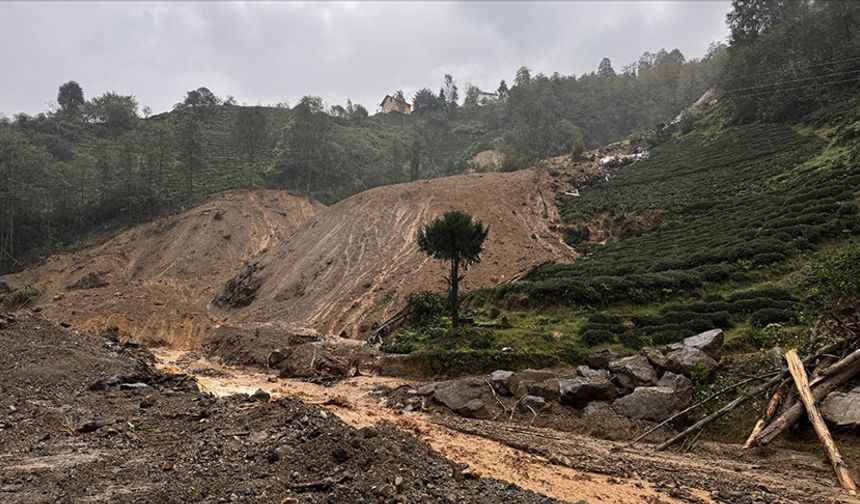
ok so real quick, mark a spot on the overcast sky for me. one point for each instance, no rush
(273, 52)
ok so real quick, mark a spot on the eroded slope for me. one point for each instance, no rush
(355, 263)
(156, 281)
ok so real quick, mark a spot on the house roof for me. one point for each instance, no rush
(389, 97)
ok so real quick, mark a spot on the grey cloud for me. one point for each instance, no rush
(271, 52)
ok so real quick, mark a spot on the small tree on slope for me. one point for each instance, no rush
(459, 239)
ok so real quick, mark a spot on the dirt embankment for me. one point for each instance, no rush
(355, 263)
(156, 281)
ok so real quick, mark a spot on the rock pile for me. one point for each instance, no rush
(649, 386)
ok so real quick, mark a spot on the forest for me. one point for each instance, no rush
(89, 166)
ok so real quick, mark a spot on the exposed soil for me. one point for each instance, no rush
(156, 281)
(559, 461)
(64, 440)
(354, 264)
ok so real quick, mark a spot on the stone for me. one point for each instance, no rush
(596, 408)
(427, 389)
(528, 375)
(680, 385)
(548, 389)
(635, 367)
(655, 357)
(579, 391)
(463, 399)
(260, 396)
(500, 380)
(133, 386)
(601, 359)
(842, 408)
(710, 342)
(648, 403)
(689, 360)
(535, 402)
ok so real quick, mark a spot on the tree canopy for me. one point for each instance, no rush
(458, 239)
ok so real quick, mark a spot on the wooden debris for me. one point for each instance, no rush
(795, 366)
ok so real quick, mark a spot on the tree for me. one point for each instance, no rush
(201, 97)
(415, 160)
(502, 90)
(113, 110)
(449, 89)
(425, 101)
(251, 129)
(523, 78)
(70, 98)
(472, 93)
(457, 238)
(605, 69)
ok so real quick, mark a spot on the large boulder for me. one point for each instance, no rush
(650, 403)
(594, 385)
(633, 371)
(463, 397)
(536, 403)
(655, 357)
(601, 359)
(680, 385)
(710, 342)
(534, 382)
(501, 381)
(690, 360)
(842, 408)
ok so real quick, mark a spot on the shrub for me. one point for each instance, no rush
(595, 337)
(767, 316)
(425, 308)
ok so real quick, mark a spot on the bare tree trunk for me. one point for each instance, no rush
(801, 381)
(453, 295)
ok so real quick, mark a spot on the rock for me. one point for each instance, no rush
(601, 359)
(593, 386)
(596, 408)
(426, 389)
(462, 399)
(500, 380)
(93, 425)
(260, 396)
(535, 402)
(842, 408)
(636, 368)
(133, 386)
(548, 389)
(689, 360)
(680, 385)
(648, 403)
(529, 375)
(131, 343)
(655, 357)
(710, 342)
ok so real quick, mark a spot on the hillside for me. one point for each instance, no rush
(155, 281)
(355, 263)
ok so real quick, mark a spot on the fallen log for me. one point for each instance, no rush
(790, 416)
(761, 389)
(693, 407)
(769, 412)
(801, 382)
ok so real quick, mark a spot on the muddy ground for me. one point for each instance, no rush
(69, 435)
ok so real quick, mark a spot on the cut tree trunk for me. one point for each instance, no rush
(801, 381)
(820, 390)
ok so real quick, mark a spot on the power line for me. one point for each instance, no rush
(855, 79)
(787, 69)
(793, 81)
